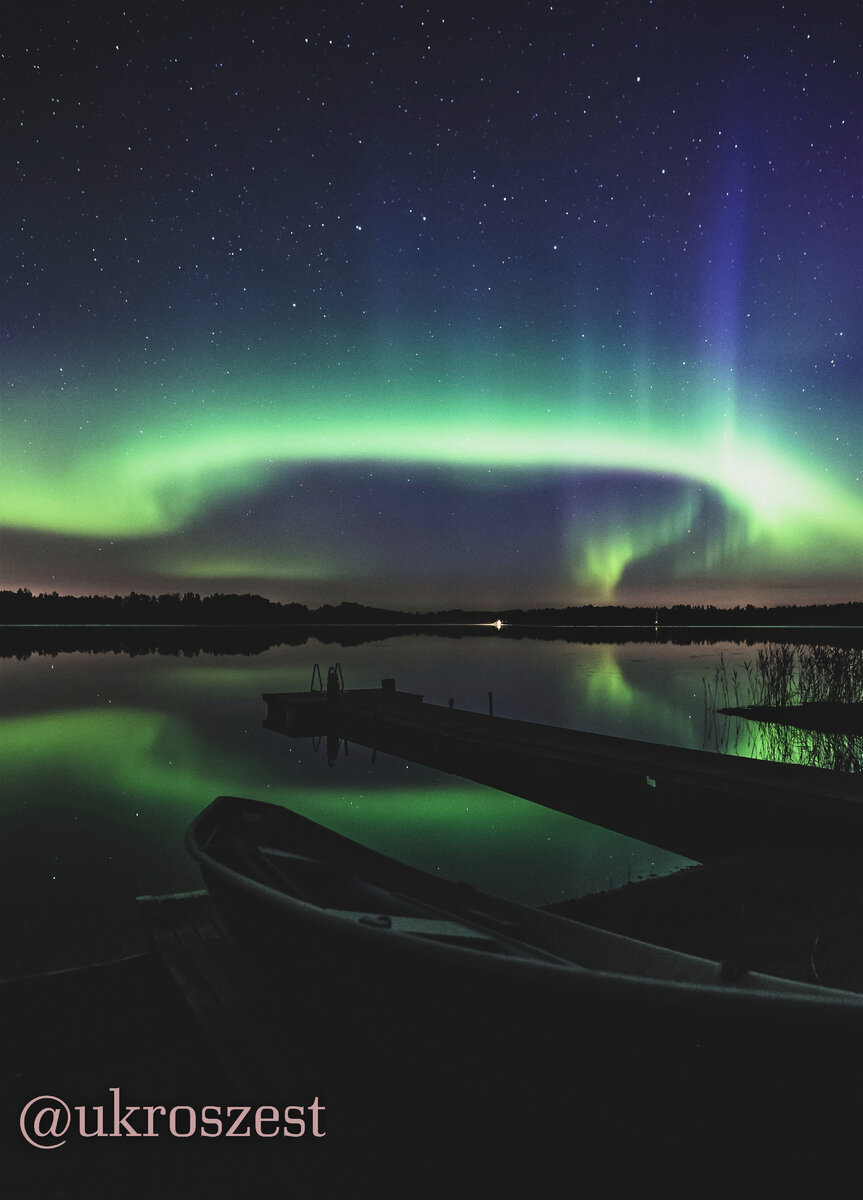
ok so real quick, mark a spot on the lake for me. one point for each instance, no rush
(106, 757)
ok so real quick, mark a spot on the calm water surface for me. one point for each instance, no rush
(105, 759)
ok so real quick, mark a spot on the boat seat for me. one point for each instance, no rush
(330, 886)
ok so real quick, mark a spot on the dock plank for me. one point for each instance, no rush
(215, 978)
(243, 1017)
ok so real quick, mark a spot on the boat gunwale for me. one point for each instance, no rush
(750, 991)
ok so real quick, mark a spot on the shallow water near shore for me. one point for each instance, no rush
(106, 757)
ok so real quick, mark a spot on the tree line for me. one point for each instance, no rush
(22, 607)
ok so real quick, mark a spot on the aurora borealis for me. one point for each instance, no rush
(429, 305)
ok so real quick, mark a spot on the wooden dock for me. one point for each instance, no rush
(702, 805)
(243, 1019)
(217, 980)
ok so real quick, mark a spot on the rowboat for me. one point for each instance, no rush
(345, 912)
(445, 1025)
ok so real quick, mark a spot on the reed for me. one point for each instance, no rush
(812, 748)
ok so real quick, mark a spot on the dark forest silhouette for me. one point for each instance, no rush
(22, 607)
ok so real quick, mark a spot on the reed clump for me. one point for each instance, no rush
(781, 676)
(790, 704)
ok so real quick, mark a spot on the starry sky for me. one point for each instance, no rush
(431, 305)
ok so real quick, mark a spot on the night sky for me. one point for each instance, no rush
(483, 305)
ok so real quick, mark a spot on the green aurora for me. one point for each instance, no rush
(143, 482)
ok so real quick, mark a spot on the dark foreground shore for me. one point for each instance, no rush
(584, 1105)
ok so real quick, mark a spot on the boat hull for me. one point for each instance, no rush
(358, 927)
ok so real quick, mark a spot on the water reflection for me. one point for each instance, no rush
(106, 758)
(780, 742)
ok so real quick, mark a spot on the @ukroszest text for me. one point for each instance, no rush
(48, 1122)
